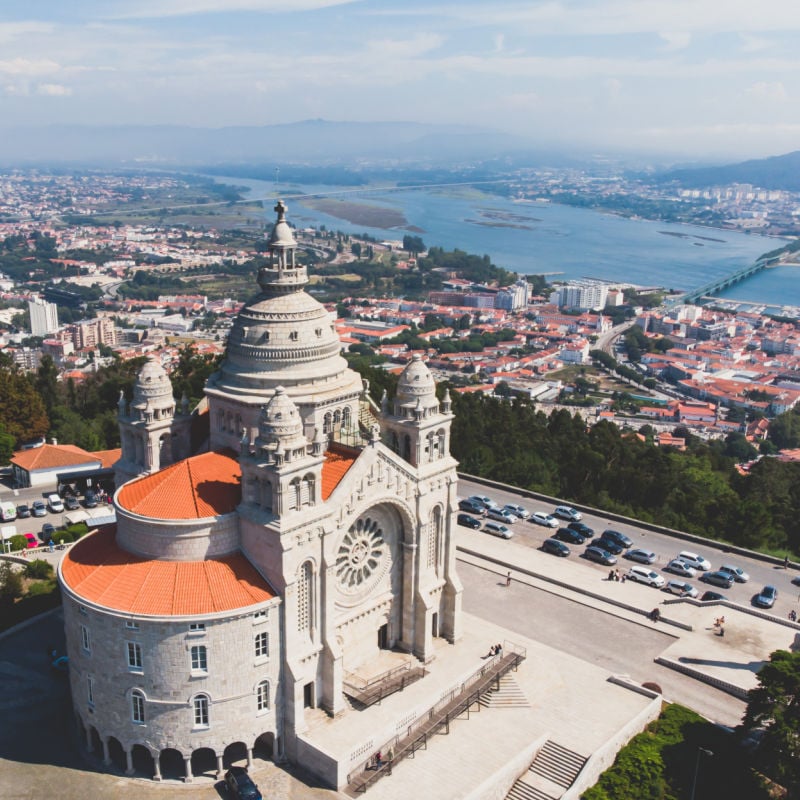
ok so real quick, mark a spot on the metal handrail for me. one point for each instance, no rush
(351, 679)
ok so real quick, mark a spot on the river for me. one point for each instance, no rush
(558, 240)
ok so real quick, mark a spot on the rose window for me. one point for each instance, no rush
(360, 554)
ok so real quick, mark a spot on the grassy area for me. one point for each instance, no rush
(679, 756)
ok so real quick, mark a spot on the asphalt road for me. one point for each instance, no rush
(665, 548)
(613, 643)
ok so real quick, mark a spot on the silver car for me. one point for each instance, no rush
(680, 567)
(642, 556)
(682, 589)
(501, 515)
(737, 573)
(541, 518)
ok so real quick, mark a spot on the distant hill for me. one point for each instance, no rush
(776, 172)
(317, 141)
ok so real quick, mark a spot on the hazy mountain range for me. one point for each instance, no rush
(776, 172)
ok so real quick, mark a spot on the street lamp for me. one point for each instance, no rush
(700, 750)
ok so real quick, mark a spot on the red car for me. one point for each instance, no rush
(31, 539)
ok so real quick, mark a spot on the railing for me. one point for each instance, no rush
(371, 691)
(451, 705)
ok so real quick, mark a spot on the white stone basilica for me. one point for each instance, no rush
(246, 586)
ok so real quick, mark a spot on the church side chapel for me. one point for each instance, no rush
(268, 586)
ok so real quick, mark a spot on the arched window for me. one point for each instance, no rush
(326, 423)
(308, 490)
(305, 597)
(137, 707)
(200, 706)
(435, 538)
(346, 416)
(262, 696)
(337, 419)
(441, 441)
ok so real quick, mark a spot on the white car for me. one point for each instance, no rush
(520, 512)
(568, 513)
(55, 503)
(694, 560)
(541, 518)
(680, 568)
(646, 576)
(498, 529)
(737, 573)
(682, 589)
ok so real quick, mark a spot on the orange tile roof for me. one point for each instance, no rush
(201, 486)
(108, 457)
(99, 571)
(333, 470)
(52, 456)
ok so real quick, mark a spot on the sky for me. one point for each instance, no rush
(690, 78)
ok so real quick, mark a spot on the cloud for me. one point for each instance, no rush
(53, 90)
(754, 44)
(676, 40)
(149, 9)
(26, 66)
(613, 87)
(406, 48)
(12, 31)
(521, 101)
(499, 40)
(767, 91)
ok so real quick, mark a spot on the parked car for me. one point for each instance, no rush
(38, 508)
(55, 504)
(646, 576)
(520, 512)
(582, 528)
(595, 553)
(501, 515)
(709, 596)
(609, 544)
(90, 499)
(542, 518)
(617, 536)
(642, 556)
(486, 502)
(694, 560)
(737, 573)
(240, 785)
(48, 529)
(718, 578)
(680, 568)
(30, 540)
(472, 506)
(71, 503)
(766, 597)
(23, 511)
(555, 547)
(682, 589)
(569, 535)
(468, 522)
(498, 529)
(568, 513)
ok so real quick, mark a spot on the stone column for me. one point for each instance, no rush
(106, 756)
(220, 766)
(89, 747)
(407, 635)
(249, 757)
(156, 766)
(187, 762)
(278, 752)
(129, 762)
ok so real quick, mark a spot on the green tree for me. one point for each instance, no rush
(774, 706)
(413, 245)
(10, 584)
(22, 412)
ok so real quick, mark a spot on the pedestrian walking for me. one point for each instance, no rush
(508, 579)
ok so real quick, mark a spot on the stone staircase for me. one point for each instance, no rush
(553, 770)
(508, 695)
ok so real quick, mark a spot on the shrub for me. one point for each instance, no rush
(39, 569)
(41, 588)
(63, 537)
(77, 530)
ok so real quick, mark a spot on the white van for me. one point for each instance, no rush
(694, 560)
(8, 512)
(55, 503)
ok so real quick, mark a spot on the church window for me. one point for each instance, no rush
(131, 625)
(346, 416)
(318, 331)
(304, 591)
(262, 645)
(326, 423)
(440, 443)
(134, 655)
(260, 616)
(200, 704)
(293, 336)
(90, 690)
(86, 641)
(361, 552)
(197, 627)
(407, 447)
(199, 658)
(337, 419)
(435, 538)
(293, 500)
(262, 696)
(137, 707)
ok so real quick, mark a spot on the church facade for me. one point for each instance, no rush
(244, 586)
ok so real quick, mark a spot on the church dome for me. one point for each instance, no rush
(153, 388)
(282, 336)
(416, 382)
(280, 418)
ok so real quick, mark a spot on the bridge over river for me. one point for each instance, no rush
(718, 284)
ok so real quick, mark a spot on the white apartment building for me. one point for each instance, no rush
(44, 317)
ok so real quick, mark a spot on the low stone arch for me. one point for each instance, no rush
(172, 764)
(143, 760)
(264, 746)
(116, 753)
(234, 754)
(204, 763)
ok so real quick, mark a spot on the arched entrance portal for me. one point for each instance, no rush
(172, 766)
(204, 763)
(235, 754)
(97, 742)
(117, 754)
(264, 746)
(142, 760)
